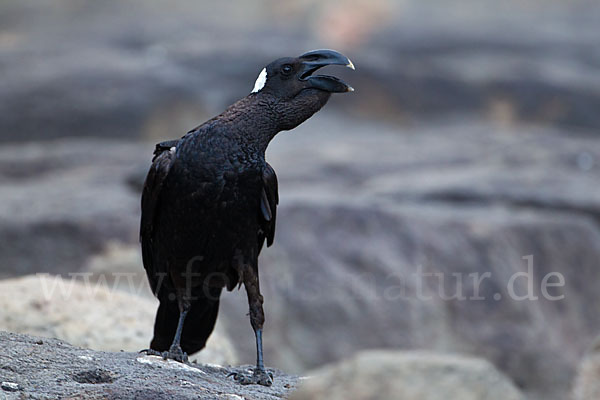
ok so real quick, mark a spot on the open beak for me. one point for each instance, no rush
(313, 60)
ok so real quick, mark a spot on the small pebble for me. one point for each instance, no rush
(39, 342)
(10, 386)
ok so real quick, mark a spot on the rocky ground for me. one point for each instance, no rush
(42, 368)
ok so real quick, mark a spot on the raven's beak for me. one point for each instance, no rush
(313, 60)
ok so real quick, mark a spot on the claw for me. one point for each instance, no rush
(258, 377)
(151, 352)
(173, 354)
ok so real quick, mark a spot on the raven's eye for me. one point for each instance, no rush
(286, 69)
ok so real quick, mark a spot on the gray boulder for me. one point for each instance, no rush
(382, 374)
(64, 201)
(587, 381)
(90, 314)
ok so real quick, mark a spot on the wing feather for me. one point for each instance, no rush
(268, 206)
(151, 194)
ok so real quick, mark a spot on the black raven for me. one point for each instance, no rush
(210, 200)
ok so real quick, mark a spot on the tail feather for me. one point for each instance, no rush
(198, 325)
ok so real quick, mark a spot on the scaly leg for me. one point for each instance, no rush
(175, 351)
(260, 375)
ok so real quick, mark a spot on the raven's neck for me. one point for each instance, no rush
(249, 122)
(252, 122)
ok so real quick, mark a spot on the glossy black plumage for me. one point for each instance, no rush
(210, 202)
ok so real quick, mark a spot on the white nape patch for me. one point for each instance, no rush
(260, 81)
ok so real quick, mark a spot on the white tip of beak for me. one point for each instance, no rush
(350, 65)
(350, 89)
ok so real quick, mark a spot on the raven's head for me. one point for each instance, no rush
(296, 92)
(288, 77)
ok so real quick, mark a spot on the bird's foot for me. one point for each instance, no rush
(174, 353)
(259, 376)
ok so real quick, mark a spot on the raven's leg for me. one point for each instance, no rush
(175, 352)
(257, 318)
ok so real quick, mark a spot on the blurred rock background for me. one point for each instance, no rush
(470, 143)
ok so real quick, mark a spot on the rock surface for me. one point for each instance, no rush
(41, 368)
(375, 375)
(64, 201)
(587, 381)
(89, 314)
